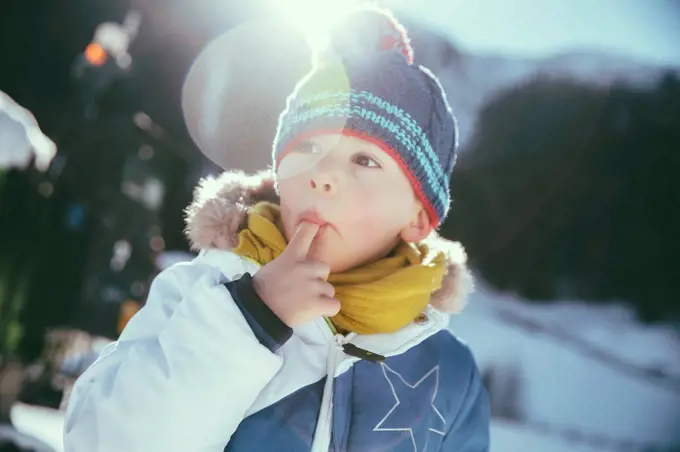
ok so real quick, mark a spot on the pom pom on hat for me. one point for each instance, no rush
(367, 30)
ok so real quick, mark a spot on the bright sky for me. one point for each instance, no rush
(647, 29)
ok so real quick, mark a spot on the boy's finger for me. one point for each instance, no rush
(324, 289)
(317, 269)
(328, 306)
(302, 240)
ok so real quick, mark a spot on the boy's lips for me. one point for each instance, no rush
(312, 216)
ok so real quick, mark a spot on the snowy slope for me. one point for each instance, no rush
(514, 437)
(584, 372)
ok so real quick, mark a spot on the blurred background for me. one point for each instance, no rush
(565, 194)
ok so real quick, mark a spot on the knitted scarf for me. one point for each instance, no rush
(379, 297)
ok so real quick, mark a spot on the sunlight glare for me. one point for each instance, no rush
(312, 18)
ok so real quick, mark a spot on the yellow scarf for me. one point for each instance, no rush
(379, 297)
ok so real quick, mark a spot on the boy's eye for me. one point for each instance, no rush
(365, 160)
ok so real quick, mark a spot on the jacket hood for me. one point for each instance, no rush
(219, 211)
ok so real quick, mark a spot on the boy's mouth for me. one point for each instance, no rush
(312, 216)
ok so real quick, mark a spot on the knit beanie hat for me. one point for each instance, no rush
(365, 84)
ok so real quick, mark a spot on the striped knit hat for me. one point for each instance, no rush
(366, 85)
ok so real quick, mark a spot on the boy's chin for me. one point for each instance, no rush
(335, 262)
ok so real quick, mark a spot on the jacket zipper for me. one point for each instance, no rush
(323, 431)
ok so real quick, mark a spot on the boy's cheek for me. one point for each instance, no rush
(365, 221)
(375, 216)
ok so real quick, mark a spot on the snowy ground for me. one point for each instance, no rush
(610, 331)
(590, 373)
(43, 423)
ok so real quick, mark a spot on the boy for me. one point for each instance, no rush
(313, 317)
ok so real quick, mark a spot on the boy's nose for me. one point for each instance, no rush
(326, 178)
(323, 182)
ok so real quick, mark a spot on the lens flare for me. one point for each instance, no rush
(313, 18)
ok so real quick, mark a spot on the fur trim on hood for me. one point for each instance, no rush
(219, 210)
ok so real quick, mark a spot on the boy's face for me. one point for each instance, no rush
(357, 192)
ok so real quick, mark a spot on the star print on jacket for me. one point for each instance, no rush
(407, 398)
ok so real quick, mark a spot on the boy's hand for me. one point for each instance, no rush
(295, 288)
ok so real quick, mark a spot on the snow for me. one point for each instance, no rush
(511, 437)
(43, 423)
(609, 330)
(584, 371)
(22, 139)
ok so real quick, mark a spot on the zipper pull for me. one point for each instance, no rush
(353, 350)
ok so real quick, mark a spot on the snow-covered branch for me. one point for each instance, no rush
(21, 139)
